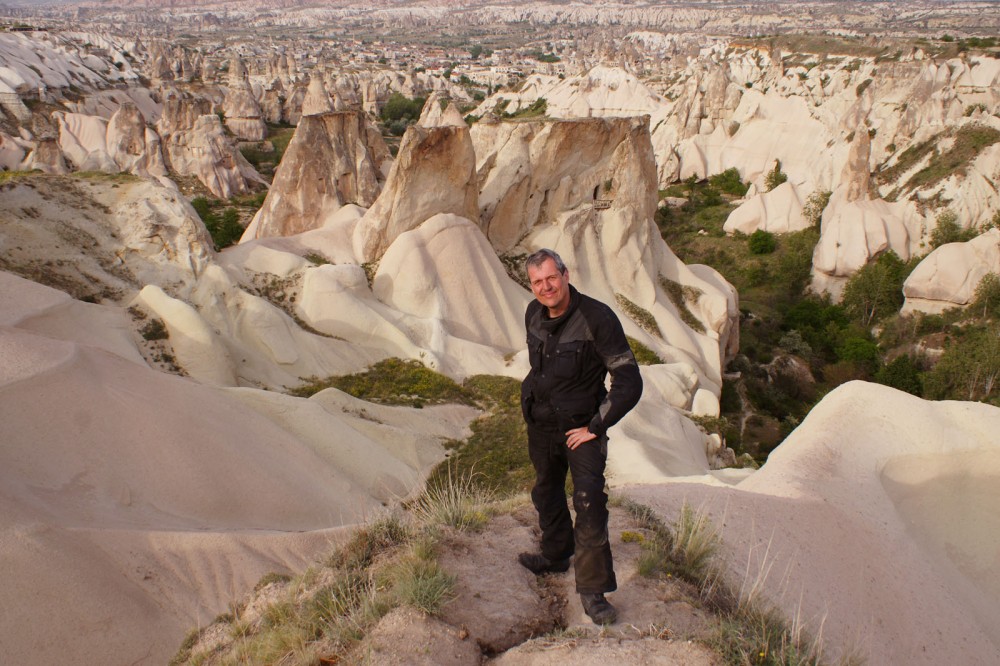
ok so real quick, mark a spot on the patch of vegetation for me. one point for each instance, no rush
(537, 109)
(762, 242)
(154, 329)
(815, 205)
(680, 295)
(775, 176)
(394, 381)
(316, 258)
(15, 175)
(495, 456)
(514, 265)
(120, 177)
(729, 181)
(642, 317)
(643, 354)
(876, 291)
(969, 142)
(224, 227)
(948, 230)
(750, 631)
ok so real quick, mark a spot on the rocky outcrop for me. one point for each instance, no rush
(317, 101)
(438, 111)
(778, 211)
(329, 162)
(242, 110)
(948, 277)
(132, 145)
(434, 173)
(204, 151)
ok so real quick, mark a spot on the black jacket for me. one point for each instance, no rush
(570, 357)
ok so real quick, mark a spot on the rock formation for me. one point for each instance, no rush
(242, 111)
(195, 144)
(778, 211)
(434, 172)
(949, 275)
(328, 163)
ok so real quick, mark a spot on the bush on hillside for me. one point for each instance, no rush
(762, 242)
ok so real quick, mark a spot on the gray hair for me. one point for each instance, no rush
(538, 258)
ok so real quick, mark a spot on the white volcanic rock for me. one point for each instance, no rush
(206, 152)
(125, 234)
(587, 189)
(445, 273)
(329, 163)
(83, 141)
(317, 101)
(243, 114)
(46, 156)
(242, 110)
(181, 111)
(778, 211)
(875, 485)
(602, 91)
(11, 152)
(434, 172)
(854, 233)
(440, 295)
(127, 491)
(949, 275)
(433, 115)
(132, 145)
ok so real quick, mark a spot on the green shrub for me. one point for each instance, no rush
(775, 176)
(729, 181)
(901, 373)
(987, 296)
(399, 107)
(815, 205)
(876, 291)
(864, 353)
(969, 369)
(948, 230)
(762, 242)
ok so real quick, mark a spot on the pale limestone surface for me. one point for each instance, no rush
(92, 441)
(778, 211)
(878, 532)
(856, 232)
(949, 275)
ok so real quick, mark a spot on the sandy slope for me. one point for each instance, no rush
(136, 504)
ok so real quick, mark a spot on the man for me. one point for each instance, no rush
(574, 341)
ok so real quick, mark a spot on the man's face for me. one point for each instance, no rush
(550, 287)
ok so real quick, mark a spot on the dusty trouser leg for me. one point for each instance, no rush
(548, 455)
(594, 568)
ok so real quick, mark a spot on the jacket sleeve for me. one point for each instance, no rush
(626, 382)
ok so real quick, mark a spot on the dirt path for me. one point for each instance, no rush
(503, 614)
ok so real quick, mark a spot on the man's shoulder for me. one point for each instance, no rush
(590, 306)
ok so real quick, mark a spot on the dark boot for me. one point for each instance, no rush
(538, 564)
(598, 608)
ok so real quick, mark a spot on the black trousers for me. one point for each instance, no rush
(588, 540)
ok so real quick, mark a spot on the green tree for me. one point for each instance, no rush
(987, 296)
(969, 367)
(815, 205)
(949, 231)
(902, 373)
(775, 176)
(876, 291)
